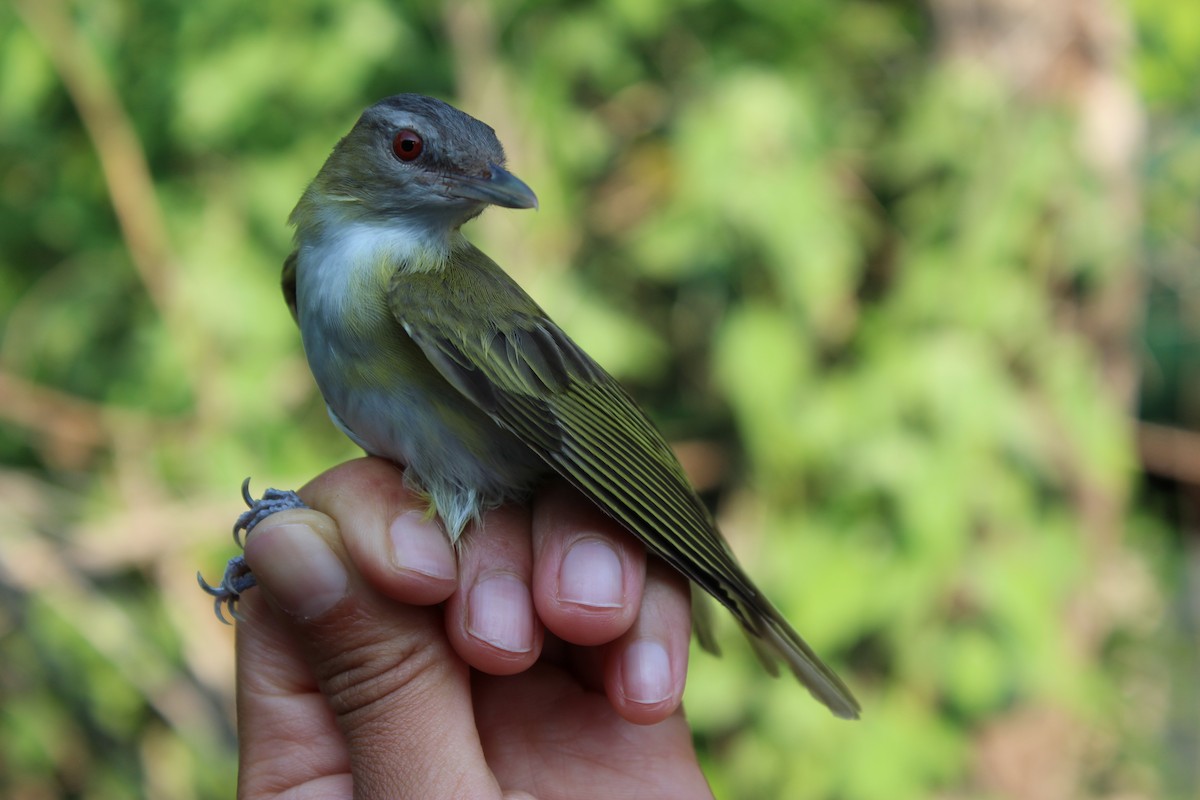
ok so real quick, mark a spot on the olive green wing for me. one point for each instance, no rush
(492, 343)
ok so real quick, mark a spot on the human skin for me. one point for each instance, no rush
(546, 659)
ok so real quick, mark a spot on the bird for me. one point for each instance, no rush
(427, 353)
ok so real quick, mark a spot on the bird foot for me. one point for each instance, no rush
(238, 578)
(272, 502)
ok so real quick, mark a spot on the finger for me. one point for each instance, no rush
(490, 620)
(568, 738)
(399, 697)
(645, 670)
(277, 691)
(588, 572)
(387, 531)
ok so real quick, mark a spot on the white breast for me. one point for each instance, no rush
(334, 266)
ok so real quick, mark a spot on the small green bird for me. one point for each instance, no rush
(428, 354)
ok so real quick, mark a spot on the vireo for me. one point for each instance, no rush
(428, 354)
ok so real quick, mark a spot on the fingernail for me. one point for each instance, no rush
(499, 613)
(419, 545)
(646, 673)
(299, 570)
(590, 575)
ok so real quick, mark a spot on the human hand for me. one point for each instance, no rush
(353, 682)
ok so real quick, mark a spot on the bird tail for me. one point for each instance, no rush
(774, 640)
(702, 623)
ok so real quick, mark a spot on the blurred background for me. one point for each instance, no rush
(912, 286)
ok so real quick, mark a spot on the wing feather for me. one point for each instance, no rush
(534, 381)
(592, 432)
(287, 282)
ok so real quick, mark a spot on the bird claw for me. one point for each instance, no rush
(271, 502)
(238, 578)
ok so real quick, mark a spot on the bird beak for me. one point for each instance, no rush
(500, 188)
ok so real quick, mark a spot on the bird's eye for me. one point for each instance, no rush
(407, 145)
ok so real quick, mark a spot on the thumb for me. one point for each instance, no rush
(399, 694)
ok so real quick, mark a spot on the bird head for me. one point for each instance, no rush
(413, 160)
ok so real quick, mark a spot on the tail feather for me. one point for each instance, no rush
(702, 620)
(774, 640)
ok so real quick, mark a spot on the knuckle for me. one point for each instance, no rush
(376, 674)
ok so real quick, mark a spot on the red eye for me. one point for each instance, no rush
(407, 145)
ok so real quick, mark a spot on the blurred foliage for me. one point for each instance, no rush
(862, 276)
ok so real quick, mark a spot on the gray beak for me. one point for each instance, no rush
(499, 188)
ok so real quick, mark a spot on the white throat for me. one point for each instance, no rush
(354, 245)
